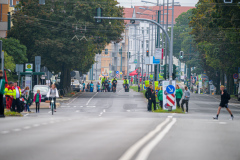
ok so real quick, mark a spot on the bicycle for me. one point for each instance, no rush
(52, 105)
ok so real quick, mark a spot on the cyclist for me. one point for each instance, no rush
(106, 84)
(53, 94)
(103, 80)
(114, 83)
(125, 83)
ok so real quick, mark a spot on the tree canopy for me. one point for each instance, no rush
(65, 33)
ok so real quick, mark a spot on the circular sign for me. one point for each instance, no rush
(117, 72)
(73, 74)
(29, 66)
(235, 76)
(170, 89)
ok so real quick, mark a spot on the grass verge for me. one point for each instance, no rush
(178, 110)
(10, 113)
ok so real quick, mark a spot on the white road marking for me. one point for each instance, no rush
(27, 127)
(104, 110)
(170, 116)
(144, 153)
(63, 106)
(91, 98)
(26, 115)
(17, 129)
(44, 123)
(72, 100)
(133, 149)
(52, 122)
(36, 125)
(128, 110)
(222, 122)
(74, 106)
(5, 132)
(81, 106)
(77, 110)
(91, 106)
(50, 112)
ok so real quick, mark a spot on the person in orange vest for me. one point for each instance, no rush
(16, 97)
(9, 95)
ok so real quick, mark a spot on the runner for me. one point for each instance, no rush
(114, 84)
(225, 97)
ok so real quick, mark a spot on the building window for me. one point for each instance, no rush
(11, 3)
(142, 44)
(147, 30)
(142, 30)
(17, 2)
(147, 44)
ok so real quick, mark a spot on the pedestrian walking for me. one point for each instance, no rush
(185, 99)
(150, 95)
(2, 91)
(160, 97)
(83, 86)
(88, 87)
(9, 95)
(37, 100)
(26, 89)
(16, 97)
(28, 101)
(178, 95)
(225, 97)
(52, 95)
(91, 87)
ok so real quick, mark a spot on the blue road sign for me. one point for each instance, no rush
(235, 76)
(117, 72)
(170, 89)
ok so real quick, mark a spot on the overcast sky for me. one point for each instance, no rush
(127, 3)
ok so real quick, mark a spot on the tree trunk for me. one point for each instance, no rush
(218, 83)
(65, 77)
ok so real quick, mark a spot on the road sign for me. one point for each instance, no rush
(28, 67)
(159, 53)
(121, 73)
(170, 100)
(19, 68)
(235, 76)
(117, 75)
(170, 89)
(117, 72)
(167, 96)
(135, 61)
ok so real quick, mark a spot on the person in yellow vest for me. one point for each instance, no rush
(9, 95)
(16, 97)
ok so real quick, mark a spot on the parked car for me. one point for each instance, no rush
(43, 91)
(75, 84)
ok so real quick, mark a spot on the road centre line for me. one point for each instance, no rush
(134, 148)
(91, 98)
(144, 153)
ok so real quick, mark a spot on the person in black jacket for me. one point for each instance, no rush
(225, 97)
(150, 95)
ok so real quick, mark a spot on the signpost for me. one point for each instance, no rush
(169, 101)
(19, 68)
(235, 76)
(28, 67)
(159, 53)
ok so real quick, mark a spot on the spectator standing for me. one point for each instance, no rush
(9, 96)
(28, 101)
(150, 95)
(186, 99)
(178, 94)
(37, 100)
(88, 87)
(52, 95)
(98, 87)
(2, 91)
(16, 97)
(160, 97)
(26, 89)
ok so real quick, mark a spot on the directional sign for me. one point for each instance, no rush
(235, 76)
(170, 89)
(117, 72)
(135, 61)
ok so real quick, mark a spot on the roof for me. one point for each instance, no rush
(150, 12)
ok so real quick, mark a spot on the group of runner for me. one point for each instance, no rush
(107, 85)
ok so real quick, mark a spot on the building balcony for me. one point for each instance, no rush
(3, 26)
(3, 1)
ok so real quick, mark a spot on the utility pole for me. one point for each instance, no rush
(96, 65)
(128, 57)
(142, 72)
(171, 48)
(138, 61)
(121, 62)
(166, 43)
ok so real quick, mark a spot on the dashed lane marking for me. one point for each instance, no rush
(90, 106)
(5, 132)
(26, 115)
(27, 127)
(36, 125)
(77, 110)
(17, 130)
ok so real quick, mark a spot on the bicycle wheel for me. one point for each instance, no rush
(52, 108)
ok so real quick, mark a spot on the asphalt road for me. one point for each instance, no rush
(112, 126)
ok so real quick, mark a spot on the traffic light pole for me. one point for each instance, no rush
(160, 26)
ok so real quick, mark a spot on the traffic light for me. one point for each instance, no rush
(181, 54)
(106, 51)
(174, 72)
(147, 54)
(99, 14)
(120, 51)
(129, 55)
(228, 1)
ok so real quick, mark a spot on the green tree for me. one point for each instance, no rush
(14, 48)
(55, 31)
(9, 64)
